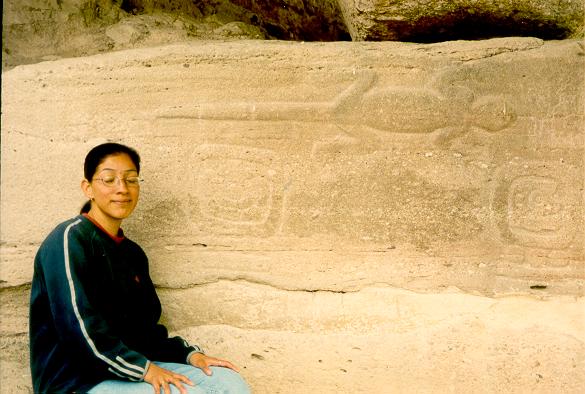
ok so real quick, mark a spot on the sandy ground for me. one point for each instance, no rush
(511, 345)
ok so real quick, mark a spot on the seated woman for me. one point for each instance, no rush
(94, 311)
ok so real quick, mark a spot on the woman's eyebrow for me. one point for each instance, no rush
(113, 169)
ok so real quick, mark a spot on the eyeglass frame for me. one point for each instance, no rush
(119, 180)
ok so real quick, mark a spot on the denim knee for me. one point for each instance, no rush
(224, 381)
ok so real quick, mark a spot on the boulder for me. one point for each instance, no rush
(433, 21)
(401, 215)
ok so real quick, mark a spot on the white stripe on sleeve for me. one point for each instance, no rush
(122, 376)
(116, 366)
(127, 364)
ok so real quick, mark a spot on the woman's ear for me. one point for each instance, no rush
(87, 189)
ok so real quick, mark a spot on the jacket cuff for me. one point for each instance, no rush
(146, 369)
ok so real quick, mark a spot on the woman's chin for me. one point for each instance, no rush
(121, 214)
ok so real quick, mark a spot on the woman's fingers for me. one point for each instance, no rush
(166, 385)
(203, 362)
(184, 379)
(206, 370)
(226, 364)
(177, 381)
(161, 378)
(231, 366)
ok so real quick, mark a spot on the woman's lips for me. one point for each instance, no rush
(122, 202)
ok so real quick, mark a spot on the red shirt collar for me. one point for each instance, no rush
(116, 238)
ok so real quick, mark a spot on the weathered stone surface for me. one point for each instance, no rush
(36, 30)
(309, 20)
(433, 21)
(33, 30)
(416, 209)
(490, 349)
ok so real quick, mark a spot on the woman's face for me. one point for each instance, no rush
(113, 189)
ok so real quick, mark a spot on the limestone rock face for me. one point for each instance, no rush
(309, 20)
(402, 215)
(432, 21)
(35, 30)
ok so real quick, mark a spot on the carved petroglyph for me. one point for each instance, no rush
(534, 210)
(241, 192)
(450, 110)
(537, 206)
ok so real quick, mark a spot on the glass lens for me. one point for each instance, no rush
(132, 181)
(109, 180)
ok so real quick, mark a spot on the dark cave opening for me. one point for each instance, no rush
(317, 21)
(466, 24)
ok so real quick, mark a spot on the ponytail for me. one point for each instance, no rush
(86, 207)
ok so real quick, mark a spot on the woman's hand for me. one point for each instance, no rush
(161, 378)
(203, 362)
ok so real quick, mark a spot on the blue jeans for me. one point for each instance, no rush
(222, 381)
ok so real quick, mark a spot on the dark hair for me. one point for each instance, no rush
(98, 154)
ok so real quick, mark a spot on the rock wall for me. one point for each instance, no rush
(308, 20)
(432, 21)
(348, 217)
(36, 30)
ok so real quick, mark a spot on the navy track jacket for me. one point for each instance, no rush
(94, 312)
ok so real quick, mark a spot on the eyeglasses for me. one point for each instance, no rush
(111, 181)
